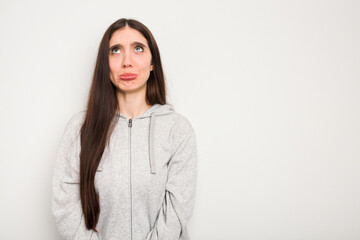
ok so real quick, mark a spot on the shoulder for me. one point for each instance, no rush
(182, 127)
(182, 122)
(74, 124)
(183, 137)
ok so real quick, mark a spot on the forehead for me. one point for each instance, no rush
(126, 36)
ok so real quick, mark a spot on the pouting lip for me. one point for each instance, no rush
(128, 75)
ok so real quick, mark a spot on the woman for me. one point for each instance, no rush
(127, 166)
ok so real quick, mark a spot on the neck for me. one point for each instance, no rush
(132, 104)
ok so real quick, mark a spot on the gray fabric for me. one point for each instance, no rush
(146, 179)
(151, 143)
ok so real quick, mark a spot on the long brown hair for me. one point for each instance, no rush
(101, 108)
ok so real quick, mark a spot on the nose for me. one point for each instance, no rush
(127, 61)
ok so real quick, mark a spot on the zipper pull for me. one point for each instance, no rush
(130, 123)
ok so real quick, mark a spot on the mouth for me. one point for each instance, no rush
(128, 76)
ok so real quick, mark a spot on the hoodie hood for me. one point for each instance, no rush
(152, 112)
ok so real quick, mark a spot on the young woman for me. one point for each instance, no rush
(127, 165)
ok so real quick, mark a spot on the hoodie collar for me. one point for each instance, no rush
(155, 110)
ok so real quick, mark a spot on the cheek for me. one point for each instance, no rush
(145, 64)
(113, 66)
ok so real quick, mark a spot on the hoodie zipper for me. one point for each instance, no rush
(130, 125)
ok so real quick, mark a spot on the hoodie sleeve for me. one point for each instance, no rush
(66, 203)
(178, 203)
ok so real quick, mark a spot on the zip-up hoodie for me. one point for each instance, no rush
(146, 179)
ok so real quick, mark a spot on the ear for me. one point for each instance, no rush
(151, 67)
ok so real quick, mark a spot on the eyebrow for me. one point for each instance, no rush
(132, 44)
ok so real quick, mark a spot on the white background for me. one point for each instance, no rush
(270, 87)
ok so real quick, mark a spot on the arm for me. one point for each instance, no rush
(179, 199)
(66, 204)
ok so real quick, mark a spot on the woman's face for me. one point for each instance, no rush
(129, 60)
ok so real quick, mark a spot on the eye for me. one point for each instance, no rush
(115, 50)
(139, 49)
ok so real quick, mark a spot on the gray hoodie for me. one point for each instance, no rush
(146, 179)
